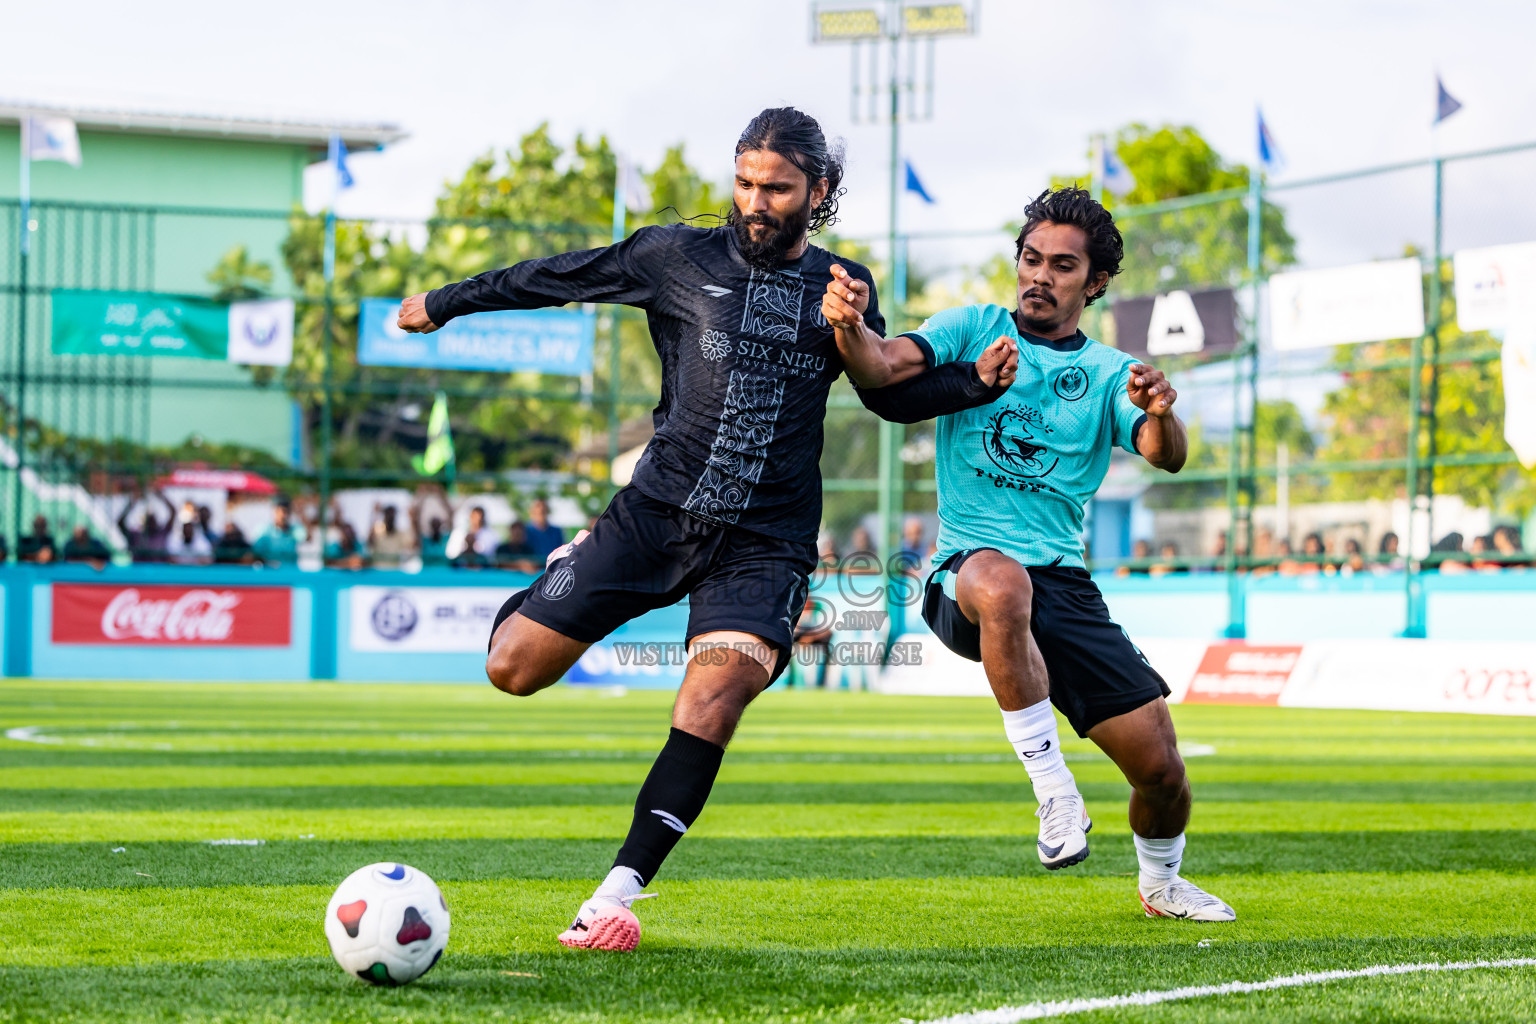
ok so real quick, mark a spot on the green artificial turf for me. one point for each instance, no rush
(863, 858)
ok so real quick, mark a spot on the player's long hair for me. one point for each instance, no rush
(797, 137)
(1076, 206)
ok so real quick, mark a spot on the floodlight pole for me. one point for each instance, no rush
(893, 27)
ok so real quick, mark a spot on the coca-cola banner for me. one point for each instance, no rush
(94, 613)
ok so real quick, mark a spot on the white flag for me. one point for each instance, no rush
(637, 197)
(261, 332)
(53, 138)
(1519, 364)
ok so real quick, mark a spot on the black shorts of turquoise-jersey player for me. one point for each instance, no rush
(726, 501)
(1011, 589)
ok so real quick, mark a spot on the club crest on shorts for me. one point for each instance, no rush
(559, 583)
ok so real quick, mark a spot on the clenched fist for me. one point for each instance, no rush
(413, 316)
(1150, 390)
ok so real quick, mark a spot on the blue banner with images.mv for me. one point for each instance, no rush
(502, 341)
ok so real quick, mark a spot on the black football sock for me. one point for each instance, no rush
(672, 797)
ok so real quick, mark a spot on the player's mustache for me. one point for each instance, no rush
(1039, 293)
(762, 218)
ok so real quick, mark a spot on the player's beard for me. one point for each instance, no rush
(768, 251)
(1039, 325)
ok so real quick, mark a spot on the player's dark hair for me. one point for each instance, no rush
(1077, 207)
(797, 137)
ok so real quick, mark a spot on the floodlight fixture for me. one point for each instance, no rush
(846, 24)
(937, 20)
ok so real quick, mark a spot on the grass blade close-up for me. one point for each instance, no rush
(862, 858)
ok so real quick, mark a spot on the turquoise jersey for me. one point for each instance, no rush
(1015, 475)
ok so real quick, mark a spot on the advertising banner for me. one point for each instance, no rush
(1242, 674)
(503, 341)
(1347, 305)
(172, 616)
(1416, 675)
(1485, 280)
(184, 326)
(438, 620)
(1178, 323)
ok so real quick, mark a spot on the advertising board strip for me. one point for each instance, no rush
(172, 616)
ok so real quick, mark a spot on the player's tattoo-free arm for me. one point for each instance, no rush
(871, 360)
(1162, 439)
(946, 389)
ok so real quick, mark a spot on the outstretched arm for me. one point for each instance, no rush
(871, 360)
(946, 389)
(1161, 439)
(623, 273)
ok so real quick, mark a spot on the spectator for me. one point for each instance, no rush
(1141, 554)
(188, 545)
(434, 544)
(1219, 552)
(1388, 560)
(1354, 558)
(1448, 552)
(859, 542)
(517, 552)
(812, 641)
(471, 557)
(82, 547)
(151, 541)
(1507, 548)
(1168, 560)
(543, 536)
(278, 544)
(826, 549)
(912, 538)
(388, 545)
(1287, 564)
(204, 517)
(1263, 552)
(233, 548)
(346, 551)
(37, 546)
(478, 537)
(1315, 555)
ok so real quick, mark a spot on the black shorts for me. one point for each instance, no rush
(1096, 672)
(645, 554)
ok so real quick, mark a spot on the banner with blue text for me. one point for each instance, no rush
(503, 341)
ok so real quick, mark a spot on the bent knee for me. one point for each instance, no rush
(999, 590)
(1160, 772)
(511, 674)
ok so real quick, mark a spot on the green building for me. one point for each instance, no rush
(156, 201)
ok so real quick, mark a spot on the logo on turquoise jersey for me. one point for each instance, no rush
(1013, 442)
(1071, 383)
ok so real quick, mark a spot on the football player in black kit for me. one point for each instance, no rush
(725, 503)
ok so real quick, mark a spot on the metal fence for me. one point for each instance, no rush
(83, 433)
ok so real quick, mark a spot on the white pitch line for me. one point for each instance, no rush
(30, 734)
(1036, 1011)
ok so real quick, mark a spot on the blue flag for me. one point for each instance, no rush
(914, 185)
(1269, 153)
(339, 162)
(1445, 103)
(1113, 174)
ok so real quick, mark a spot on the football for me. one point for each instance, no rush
(387, 924)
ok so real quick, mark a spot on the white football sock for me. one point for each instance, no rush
(621, 884)
(1032, 731)
(1159, 860)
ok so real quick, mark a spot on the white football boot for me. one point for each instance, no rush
(1185, 900)
(1064, 828)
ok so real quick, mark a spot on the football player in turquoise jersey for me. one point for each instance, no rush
(1011, 589)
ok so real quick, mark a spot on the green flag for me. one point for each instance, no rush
(439, 451)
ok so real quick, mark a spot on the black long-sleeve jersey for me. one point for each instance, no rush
(746, 360)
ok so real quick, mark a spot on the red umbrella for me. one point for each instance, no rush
(220, 479)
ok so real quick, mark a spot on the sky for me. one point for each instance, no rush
(1343, 85)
